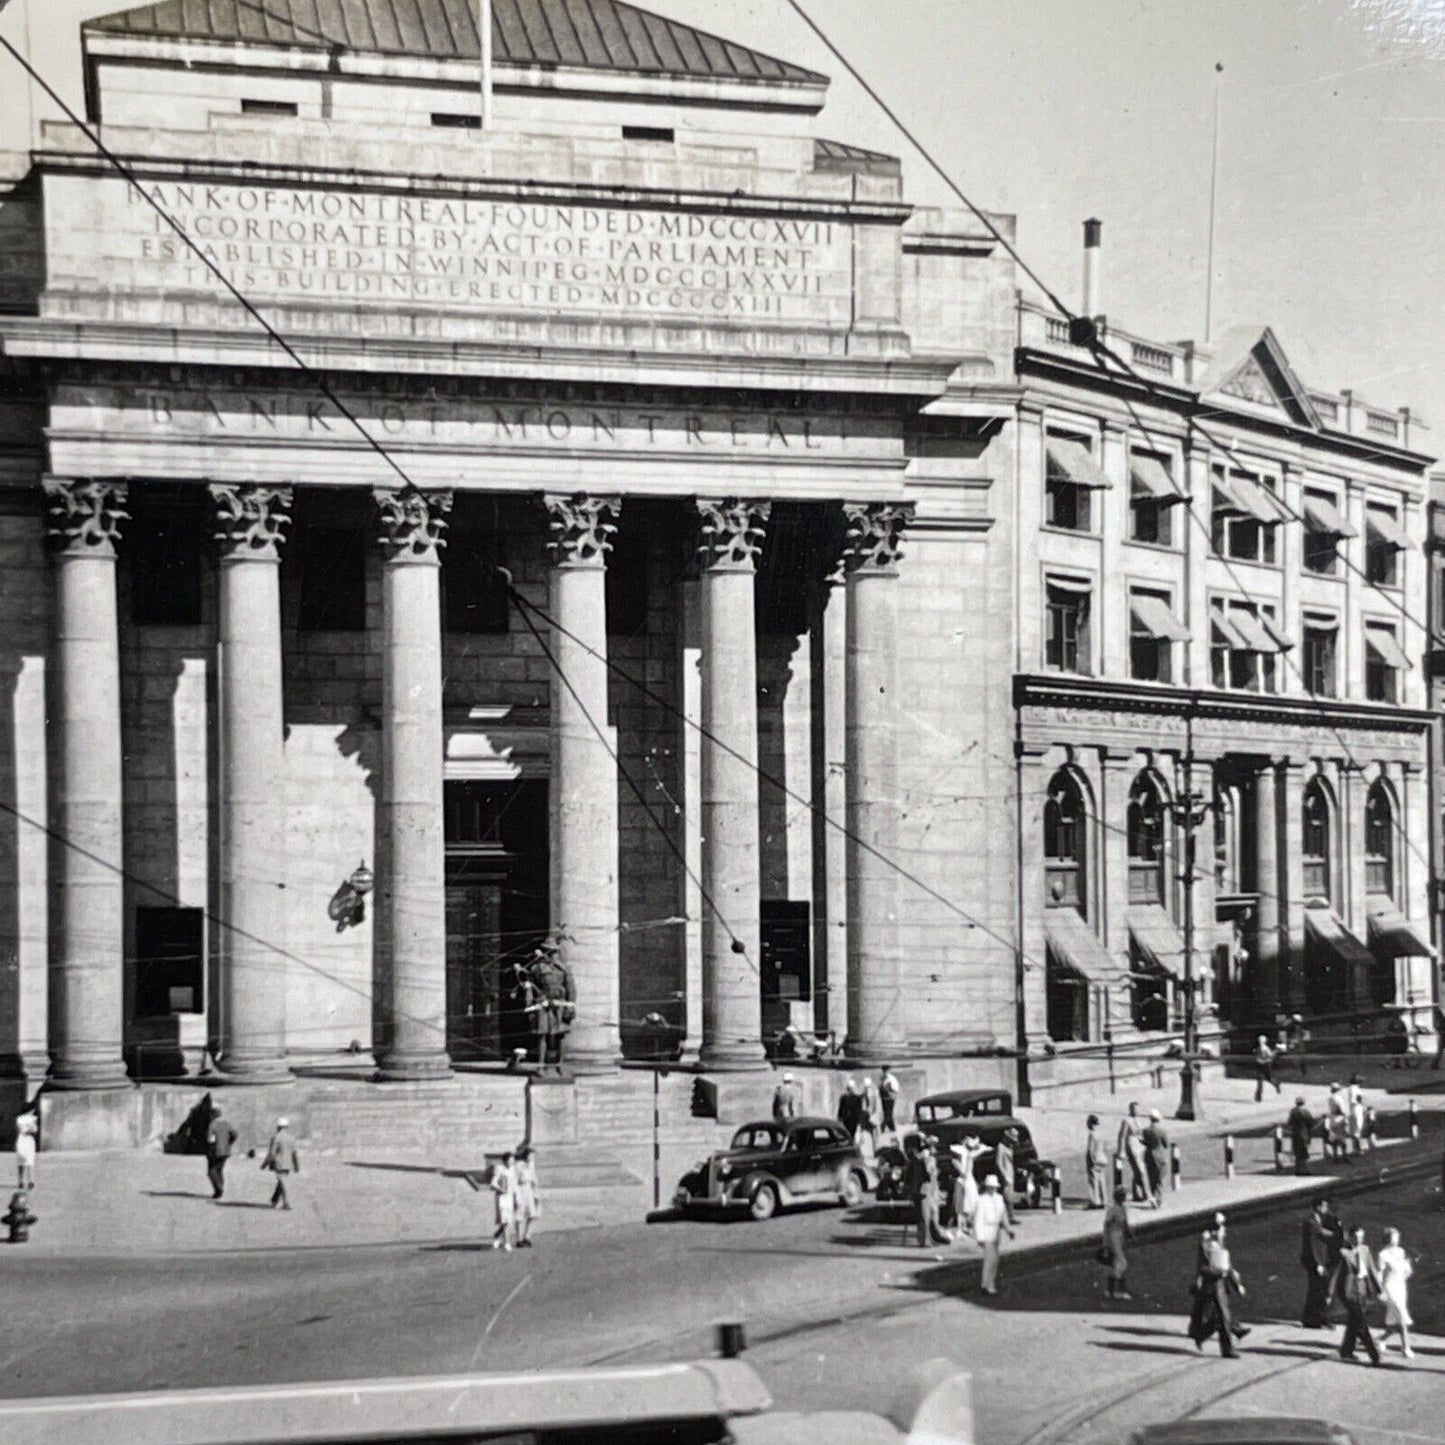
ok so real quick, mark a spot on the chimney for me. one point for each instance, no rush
(1092, 260)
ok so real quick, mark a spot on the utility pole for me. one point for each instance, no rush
(1213, 187)
(1190, 810)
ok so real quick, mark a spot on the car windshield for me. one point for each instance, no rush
(757, 1136)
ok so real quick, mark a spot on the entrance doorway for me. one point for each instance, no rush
(786, 975)
(497, 910)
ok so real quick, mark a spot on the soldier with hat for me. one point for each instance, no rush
(553, 1002)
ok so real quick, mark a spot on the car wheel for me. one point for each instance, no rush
(764, 1203)
(852, 1191)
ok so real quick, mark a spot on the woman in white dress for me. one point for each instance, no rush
(504, 1191)
(1356, 1128)
(527, 1207)
(1395, 1272)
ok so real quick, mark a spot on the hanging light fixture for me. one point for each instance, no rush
(362, 879)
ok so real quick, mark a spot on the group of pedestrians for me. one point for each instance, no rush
(1350, 1273)
(866, 1107)
(1346, 1126)
(281, 1158)
(1142, 1146)
(513, 1182)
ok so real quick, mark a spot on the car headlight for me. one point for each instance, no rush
(724, 1170)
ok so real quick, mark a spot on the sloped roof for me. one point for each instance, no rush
(586, 34)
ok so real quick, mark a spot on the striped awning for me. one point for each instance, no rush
(1393, 935)
(1157, 939)
(1324, 926)
(1075, 945)
(1074, 461)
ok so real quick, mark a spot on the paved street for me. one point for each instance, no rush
(835, 1304)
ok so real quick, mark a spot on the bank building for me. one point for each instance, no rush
(632, 519)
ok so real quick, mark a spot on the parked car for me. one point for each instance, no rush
(952, 1117)
(771, 1164)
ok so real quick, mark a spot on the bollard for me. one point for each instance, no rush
(1229, 1156)
(731, 1341)
(1118, 1171)
(1176, 1167)
(1414, 1121)
(1370, 1127)
(1056, 1184)
(1279, 1148)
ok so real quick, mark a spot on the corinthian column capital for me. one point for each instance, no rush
(580, 528)
(84, 517)
(413, 523)
(874, 540)
(250, 519)
(730, 533)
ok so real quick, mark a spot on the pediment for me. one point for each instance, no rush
(1250, 367)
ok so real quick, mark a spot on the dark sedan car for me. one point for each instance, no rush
(770, 1164)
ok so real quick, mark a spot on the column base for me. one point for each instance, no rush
(412, 1068)
(876, 1054)
(602, 1062)
(254, 1071)
(734, 1060)
(80, 1078)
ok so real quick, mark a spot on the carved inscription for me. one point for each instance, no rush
(507, 255)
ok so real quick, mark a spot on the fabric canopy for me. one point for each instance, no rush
(1325, 517)
(1151, 477)
(1154, 616)
(1386, 530)
(1384, 646)
(1244, 495)
(1253, 633)
(1323, 925)
(1073, 460)
(1077, 946)
(1395, 936)
(1157, 938)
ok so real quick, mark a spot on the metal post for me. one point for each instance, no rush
(1176, 1168)
(1370, 1126)
(732, 1340)
(1414, 1121)
(1056, 1185)
(1190, 811)
(656, 1139)
(1279, 1149)
(1229, 1156)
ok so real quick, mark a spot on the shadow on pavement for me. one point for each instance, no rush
(176, 1194)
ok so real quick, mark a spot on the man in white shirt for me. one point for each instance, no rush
(990, 1221)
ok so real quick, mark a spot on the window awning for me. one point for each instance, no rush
(1069, 584)
(1151, 477)
(1392, 935)
(1324, 926)
(1224, 626)
(1324, 516)
(1155, 617)
(1258, 634)
(1248, 498)
(1384, 646)
(1157, 938)
(1384, 531)
(1073, 460)
(1077, 946)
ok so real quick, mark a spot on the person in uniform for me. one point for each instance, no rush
(554, 1001)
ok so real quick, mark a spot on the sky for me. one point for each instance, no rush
(1331, 183)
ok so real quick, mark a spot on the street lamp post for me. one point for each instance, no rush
(1190, 810)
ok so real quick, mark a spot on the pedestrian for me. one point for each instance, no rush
(27, 1127)
(503, 1184)
(990, 1222)
(553, 1003)
(850, 1109)
(1336, 1124)
(1156, 1156)
(923, 1187)
(220, 1141)
(1263, 1067)
(888, 1095)
(872, 1111)
(18, 1217)
(1320, 1240)
(1216, 1282)
(965, 1183)
(1116, 1235)
(1439, 1035)
(1131, 1148)
(1003, 1166)
(785, 1101)
(1395, 1272)
(527, 1209)
(1356, 1284)
(283, 1161)
(1355, 1115)
(1096, 1163)
(1301, 1126)
(1299, 1042)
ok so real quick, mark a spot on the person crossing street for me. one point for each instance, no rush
(283, 1161)
(1356, 1284)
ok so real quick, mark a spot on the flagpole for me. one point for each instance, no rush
(1213, 188)
(484, 33)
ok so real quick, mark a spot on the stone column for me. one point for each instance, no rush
(584, 838)
(411, 842)
(829, 639)
(1264, 987)
(689, 751)
(877, 1013)
(730, 538)
(87, 981)
(250, 521)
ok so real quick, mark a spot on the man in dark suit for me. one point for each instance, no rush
(926, 1194)
(1301, 1126)
(220, 1141)
(1321, 1237)
(1356, 1284)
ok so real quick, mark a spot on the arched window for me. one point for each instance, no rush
(1064, 843)
(1146, 841)
(1316, 841)
(1226, 842)
(1379, 840)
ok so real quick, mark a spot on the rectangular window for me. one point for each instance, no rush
(474, 597)
(1324, 526)
(450, 120)
(163, 545)
(1385, 663)
(1066, 643)
(1244, 647)
(1153, 496)
(648, 132)
(1383, 543)
(331, 562)
(1244, 516)
(1319, 656)
(267, 107)
(1071, 477)
(1153, 632)
(170, 961)
(626, 587)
